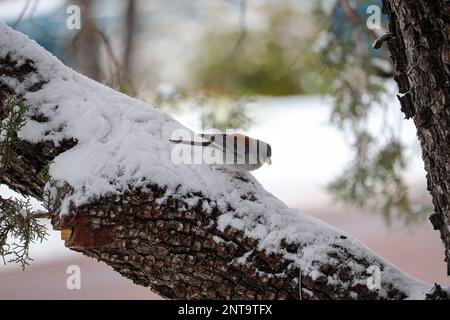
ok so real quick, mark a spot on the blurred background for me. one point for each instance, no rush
(299, 74)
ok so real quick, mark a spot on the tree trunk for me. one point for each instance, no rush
(237, 242)
(420, 48)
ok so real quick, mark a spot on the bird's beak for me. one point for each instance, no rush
(268, 161)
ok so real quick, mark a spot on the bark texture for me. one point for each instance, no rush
(174, 246)
(419, 44)
(174, 252)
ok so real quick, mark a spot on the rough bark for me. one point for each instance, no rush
(419, 44)
(171, 245)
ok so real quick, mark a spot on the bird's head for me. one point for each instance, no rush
(265, 152)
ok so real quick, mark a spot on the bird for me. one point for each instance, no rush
(240, 153)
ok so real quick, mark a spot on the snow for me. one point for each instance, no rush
(166, 90)
(315, 274)
(243, 259)
(123, 142)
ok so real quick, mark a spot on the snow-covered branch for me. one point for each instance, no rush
(186, 231)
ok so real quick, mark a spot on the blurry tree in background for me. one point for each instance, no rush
(269, 60)
(358, 75)
(86, 45)
(294, 48)
(88, 42)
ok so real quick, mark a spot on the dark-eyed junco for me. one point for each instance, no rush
(240, 153)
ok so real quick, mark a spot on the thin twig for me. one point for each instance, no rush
(356, 19)
(130, 24)
(243, 27)
(106, 40)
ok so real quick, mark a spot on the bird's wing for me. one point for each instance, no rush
(237, 144)
(215, 140)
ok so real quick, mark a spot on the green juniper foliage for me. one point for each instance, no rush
(18, 229)
(19, 226)
(15, 108)
(47, 195)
